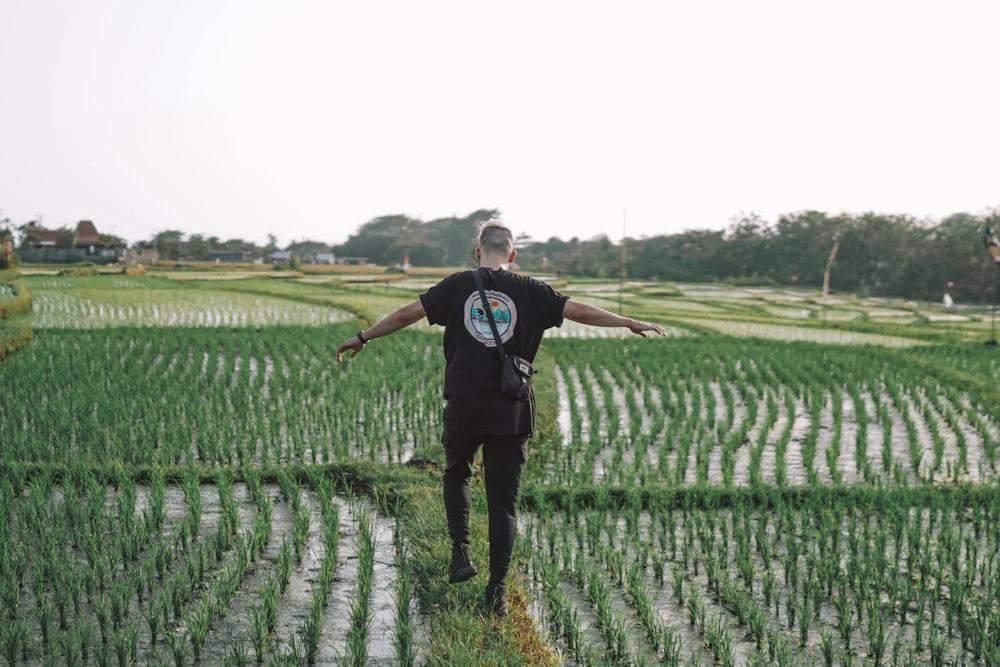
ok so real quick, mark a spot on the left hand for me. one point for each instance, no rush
(352, 344)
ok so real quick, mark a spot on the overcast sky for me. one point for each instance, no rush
(307, 118)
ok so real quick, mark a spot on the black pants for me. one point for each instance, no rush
(503, 462)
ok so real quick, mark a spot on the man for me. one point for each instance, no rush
(476, 412)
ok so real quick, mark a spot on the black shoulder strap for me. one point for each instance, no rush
(489, 314)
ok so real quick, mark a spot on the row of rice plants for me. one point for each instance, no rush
(98, 573)
(102, 308)
(734, 413)
(219, 398)
(902, 577)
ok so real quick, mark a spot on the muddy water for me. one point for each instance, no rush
(336, 624)
(612, 466)
(229, 633)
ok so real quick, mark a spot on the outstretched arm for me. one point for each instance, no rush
(391, 323)
(584, 313)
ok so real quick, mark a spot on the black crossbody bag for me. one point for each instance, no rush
(515, 372)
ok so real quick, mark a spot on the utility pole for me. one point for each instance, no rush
(826, 276)
(621, 274)
(991, 239)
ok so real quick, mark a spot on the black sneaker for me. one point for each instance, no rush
(496, 599)
(462, 568)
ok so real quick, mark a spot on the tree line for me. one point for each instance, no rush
(876, 254)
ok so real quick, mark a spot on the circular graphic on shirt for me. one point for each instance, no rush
(504, 314)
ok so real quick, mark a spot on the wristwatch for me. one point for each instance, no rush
(362, 338)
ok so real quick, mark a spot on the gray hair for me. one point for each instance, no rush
(495, 238)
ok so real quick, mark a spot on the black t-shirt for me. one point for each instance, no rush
(523, 309)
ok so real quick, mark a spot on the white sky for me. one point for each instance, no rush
(307, 118)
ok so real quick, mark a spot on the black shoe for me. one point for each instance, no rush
(496, 599)
(462, 568)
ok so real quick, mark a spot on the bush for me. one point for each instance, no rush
(22, 301)
(81, 269)
(13, 336)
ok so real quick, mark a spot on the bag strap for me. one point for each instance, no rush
(489, 314)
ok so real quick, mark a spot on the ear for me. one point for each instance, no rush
(513, 254)
(479, 253)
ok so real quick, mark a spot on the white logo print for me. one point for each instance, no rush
(504, 314)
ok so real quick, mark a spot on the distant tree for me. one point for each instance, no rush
(303, 248)
(6, 244)
(66, 236)
(800, 248)
(272, 244)
(29, 233)
(875, 251)
(383, 240)
(169, 244)
(452, 241)
(956, 261)
(112, 241)
(241, 246)
(197, 247)
(746, 255)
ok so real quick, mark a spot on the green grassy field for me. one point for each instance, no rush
(188, 477)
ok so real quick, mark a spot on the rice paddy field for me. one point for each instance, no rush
(188, 477)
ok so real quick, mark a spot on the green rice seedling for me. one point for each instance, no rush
(230, 509)
(269, 602)
(658, 562)
(877, 631)
(289, 487)
(220, 543)
(179, 647)
(157, 500)
(190, 483)
(564, 616)
(69, 643)
(938, 645)
(103, 654)
(290, 657)
(696, 610)
(121, 594)
(198, 624)
(61, 596)
(84, 635)
(991, 654)
(777, 648)
(154, 620)
(284, 565)
(258, 631)
(126, 642)
(643, 606)
(311, 630)
(757, 620)
(238, 655)
(102, 610)
(13, 567)
(262, 525)
(178, 595)
(805, 619)
(10, 639)
(826, 647)
(404, 638)
(719, 642)
(300, 530)
(357, 635)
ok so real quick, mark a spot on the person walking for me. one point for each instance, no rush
(477, 414)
